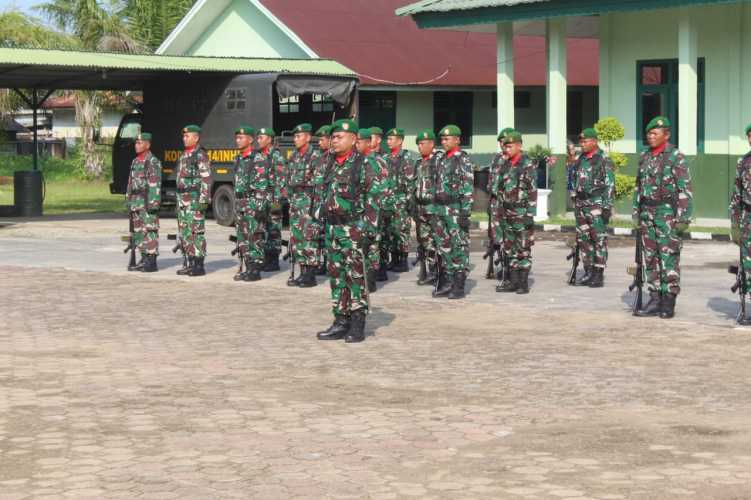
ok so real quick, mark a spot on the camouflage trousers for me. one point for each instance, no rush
(424, 230)
(378, 246)
(274, 228)
(746, 246)
(146, 232)
(515, 231)
(451, 243)
(346, 270)
(662, 249)
(592, 235)
(397, 230)
(251, 229)
(191, 224)
(304, 231)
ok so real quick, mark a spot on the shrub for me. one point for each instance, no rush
(624, 186)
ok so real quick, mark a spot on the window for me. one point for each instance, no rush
(289, 104)
(236, 99)
(322, 104)
(454, 108)
(130, 130)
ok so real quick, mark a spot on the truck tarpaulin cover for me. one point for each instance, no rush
(338, 89)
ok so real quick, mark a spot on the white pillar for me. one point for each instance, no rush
(604, 66)
(687, 83)
(734, 29)
(504, 42)
(556, 90)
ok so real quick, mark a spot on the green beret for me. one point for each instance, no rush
(344, 125)
(144, 136)
(503, 133)
(396, 132)
(376, 131)
(450, 130)
(324, 131)
(588, 133)
(364, 133)
(191, 128)
(266, 131)
(425, 135)
(245, 130)
(512, 137)
(658, 122)
(303, 127)
(748, 129)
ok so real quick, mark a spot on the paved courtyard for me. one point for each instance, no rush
(117, 385)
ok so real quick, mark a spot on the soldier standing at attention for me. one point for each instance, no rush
(426, 218)
(324, 152)
(515, 188)
(143, 198)
(454, 208)
(376, 140)
(495, 230)
(349, 205)
(245, 216)
(300, 184)
(278, 193)
(402, 173)
(663, 205)
(193, 197)
(593, 191)
(374, 270)
(740, 215)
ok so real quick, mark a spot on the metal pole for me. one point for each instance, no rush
(35, 106)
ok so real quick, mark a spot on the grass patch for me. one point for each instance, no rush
(74, 196)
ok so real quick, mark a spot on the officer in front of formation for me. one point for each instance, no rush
(740, 215)
(662, 210)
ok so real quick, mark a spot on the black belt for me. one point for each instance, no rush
(513, 206)
(656, 203)
(424, 202)
(339, 220)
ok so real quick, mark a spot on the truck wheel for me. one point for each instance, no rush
(223, 205)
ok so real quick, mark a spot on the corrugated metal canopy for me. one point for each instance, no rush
(61, 69)
(449, 5)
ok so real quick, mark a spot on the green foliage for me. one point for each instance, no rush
(56, 169)
(539, 153)
(620, 160)
(609, 130)
(73, 196)
(20, 30)
(151, 21)
(624, 186)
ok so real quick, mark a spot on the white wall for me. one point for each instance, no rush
(64, 123)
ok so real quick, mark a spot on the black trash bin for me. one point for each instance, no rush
(28, 186)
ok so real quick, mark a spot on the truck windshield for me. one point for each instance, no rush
(129, 129)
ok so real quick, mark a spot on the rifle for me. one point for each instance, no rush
(289, 257)
(739, 287)
(236, 252)
(178, 247)
(574, 256)
(637, 271)
(130, 240)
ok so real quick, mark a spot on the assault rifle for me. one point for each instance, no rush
(131, 241)
(236, 251)
(575, 257)
(739, 287)
(637, 271)
(178, 247)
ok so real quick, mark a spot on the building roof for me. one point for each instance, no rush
(385, 49)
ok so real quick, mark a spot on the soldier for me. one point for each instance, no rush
(246, 216)
(426, 172)
(453, 209)
(278, 193)
(740, 215)
(193, 197)
(143, 199)
(515, 188)
(349, 206)
(324, 149)
(303, 242)
(376, 140)
(495, 231)
(663, 205)
(594, 190)
(402, 173)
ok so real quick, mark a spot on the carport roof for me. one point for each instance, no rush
(62, 69)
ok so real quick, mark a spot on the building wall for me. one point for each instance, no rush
(64, 124)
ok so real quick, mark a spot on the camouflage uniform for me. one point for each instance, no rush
(378, 251)
(402, 173)
(426, 218)
(251, 206)
(318, 222)
(740, 213)
(278, 193)
(594, 191)
(300, 184)
(193, 196)
(143, 198)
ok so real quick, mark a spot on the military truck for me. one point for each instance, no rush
(219, 104)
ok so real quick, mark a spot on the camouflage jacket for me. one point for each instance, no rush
(144, 184)
(351, 191)
(386, 201)
(594, 180)
(455, 182)
(515, 186)
(664, 181)
(319, 180)
(277, 173)
(493, 171)
(402, 173)
(740, 199)
(426, 180)
(194, 177)
(248, 182)
(301, 171)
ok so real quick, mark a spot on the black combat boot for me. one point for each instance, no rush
(445, 285)
(667, 307)
(510, 285)
(422, 272)
(296, 280)
(457, 289)
(356, 331)
(653, 307)
(394, 261)
(241, 275)
(381, 274)
(197, 269)
(584, 280)
(523, 282)
(187, 266)
(402, 263)
(308, 277)
(139, 266)
(744, 321)
(271, 261)
(427, 275)
(149, 265)
(336, 331)
(598, 278)
(252, 272)
(370, 278)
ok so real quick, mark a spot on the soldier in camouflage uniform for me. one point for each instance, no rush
(376, 140)
(740, 215)
(593, 192)
(426, 177)
(193, 197)
(303, 228)
(402, 173)
(278, 193)
(515, 189)
(349, 204)
(495, 232)
(379, 255)
(247, 218)
(324, 152)
(143, 198)
(663, 205)
(453, 205)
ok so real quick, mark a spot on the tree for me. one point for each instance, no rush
(609, 130)
(151, 21)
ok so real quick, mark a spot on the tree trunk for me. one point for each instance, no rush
(89, 117)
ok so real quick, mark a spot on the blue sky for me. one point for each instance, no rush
(24, 5)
